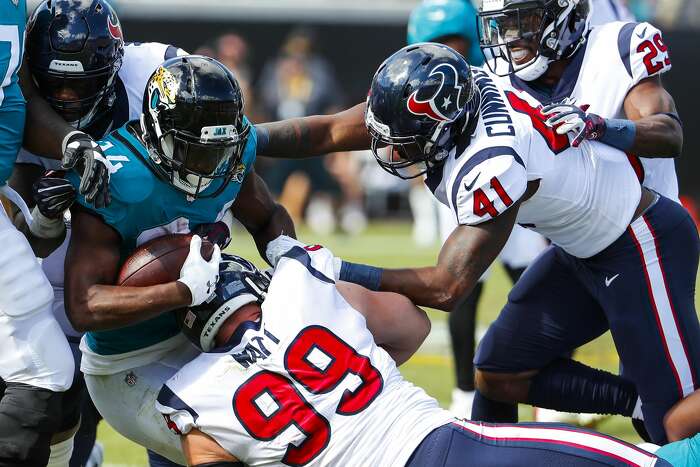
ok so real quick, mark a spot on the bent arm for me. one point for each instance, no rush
(398, 326)
(464, 257)
(683, 419)
(657, 133)
(256, 209)
(314, 136)
(45, 129)
(200, 449)
(92, 265)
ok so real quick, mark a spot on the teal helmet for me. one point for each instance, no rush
(433, 19)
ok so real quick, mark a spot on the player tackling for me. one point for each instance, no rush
(296, 378)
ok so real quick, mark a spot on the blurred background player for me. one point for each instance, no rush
(453, 23)
(310, 386)
(99, 92)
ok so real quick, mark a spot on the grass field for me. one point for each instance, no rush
(390, 245)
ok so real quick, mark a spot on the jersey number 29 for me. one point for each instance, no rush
(317, 360)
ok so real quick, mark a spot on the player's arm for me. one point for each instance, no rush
(201, 450)
(257, 210)
(658, 131)
(47, 134)
(397, 325)
(92, 266)
(683, 419)
(315, 135)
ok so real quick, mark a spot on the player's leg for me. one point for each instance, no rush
(646, 281)
(127, 400)
(527, 444)
(548, 313)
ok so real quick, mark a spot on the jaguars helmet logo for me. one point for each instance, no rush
(239, 173)
(162, 89)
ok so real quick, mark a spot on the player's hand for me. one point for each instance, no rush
(53, 195)
(84, 155)
(216, 232)
(198, 274)
(565, 117)
(279, 247)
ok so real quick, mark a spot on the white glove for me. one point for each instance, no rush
(198, 274)
(279, 246)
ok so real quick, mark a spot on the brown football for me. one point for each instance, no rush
(159, 260)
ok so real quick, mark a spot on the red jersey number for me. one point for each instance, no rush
(482, 203)
(556, 142)
(269, 403)
(652, 48)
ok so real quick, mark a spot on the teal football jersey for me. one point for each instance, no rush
(12, 21)
(143, 207)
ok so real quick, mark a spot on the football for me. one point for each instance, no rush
(159, 260)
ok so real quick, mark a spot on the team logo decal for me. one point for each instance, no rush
(115, 29)
(162, 89)
(447, 99)
(239, 173)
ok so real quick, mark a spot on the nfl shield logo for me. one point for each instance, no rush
(130, 379)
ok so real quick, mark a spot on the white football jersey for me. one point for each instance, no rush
(586, 196)
(615, 58)
(305, 385)
(139, 62)
(607, 11)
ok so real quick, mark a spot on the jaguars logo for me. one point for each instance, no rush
(162, 89)
(239, 173)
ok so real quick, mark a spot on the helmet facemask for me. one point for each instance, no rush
(549, 31)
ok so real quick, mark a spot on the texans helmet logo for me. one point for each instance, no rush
(115, 29)
(445, 102)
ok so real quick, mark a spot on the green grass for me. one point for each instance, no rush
(390, 245)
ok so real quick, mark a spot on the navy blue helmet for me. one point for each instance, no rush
(193, 124)
(74, 51)
(421, 98)
(240, 283)
(523, 37)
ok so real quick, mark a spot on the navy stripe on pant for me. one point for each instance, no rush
(641, 287)
(464, 443)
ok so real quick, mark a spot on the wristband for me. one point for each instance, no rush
(44, 227)
(619, 133)
(368, 277)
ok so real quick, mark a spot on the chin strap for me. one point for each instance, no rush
(534, 69)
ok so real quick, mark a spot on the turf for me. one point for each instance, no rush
(390, 245)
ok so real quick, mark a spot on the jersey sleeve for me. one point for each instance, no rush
(250, 150)
(179, 417)
(487, 184)
(643, 51)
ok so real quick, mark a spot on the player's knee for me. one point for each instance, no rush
(502, 387)
(24, 289)
(28, 418)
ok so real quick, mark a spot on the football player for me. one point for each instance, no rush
(295, 378)
(604, 85)
(77, 55)
(35, 361)
(489, 156)
(184, 163)
(452, 22)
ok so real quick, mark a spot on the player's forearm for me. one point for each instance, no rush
(41, 246)
(280, 222)
(103, 307)
(433, 286)
(315, 135)
(657, 136)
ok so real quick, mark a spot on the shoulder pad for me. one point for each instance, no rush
(131, 181)
(487, 184)
(642, 51)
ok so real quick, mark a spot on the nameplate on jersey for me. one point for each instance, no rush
(494, 111)
(256, 349)
(71, 66)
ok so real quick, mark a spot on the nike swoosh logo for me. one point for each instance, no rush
(471, 185)
(608, 281)
(643, 33)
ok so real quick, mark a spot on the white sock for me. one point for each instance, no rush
(61, 453)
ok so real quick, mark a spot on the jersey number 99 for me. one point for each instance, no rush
(317, 360)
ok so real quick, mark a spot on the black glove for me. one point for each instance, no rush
(53, 195)
(84, 155)
(216, 232)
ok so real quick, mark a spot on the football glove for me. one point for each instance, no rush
(198, 274)
(53, 195)
(565, 117)
(84, 155)
(216, 232)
